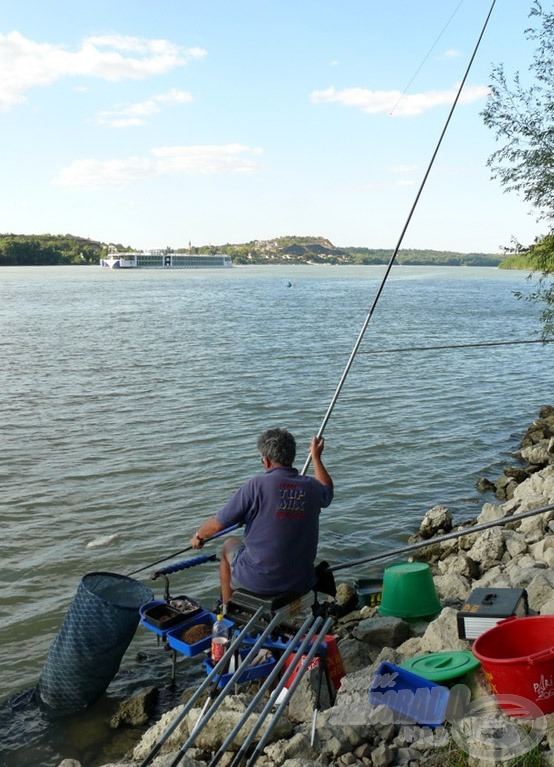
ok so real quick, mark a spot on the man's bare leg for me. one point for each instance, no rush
(227, 552)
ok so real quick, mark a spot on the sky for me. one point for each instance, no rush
(158, 124)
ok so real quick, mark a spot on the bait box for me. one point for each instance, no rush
(260, 671)
(159, 616)
(176, 643)
(411, 698)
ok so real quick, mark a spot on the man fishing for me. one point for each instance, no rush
(280, 513)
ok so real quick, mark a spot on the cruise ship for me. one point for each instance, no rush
(158, 259)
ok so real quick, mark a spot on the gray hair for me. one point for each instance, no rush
(278, 445)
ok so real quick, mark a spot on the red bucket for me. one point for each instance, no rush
(517, 656)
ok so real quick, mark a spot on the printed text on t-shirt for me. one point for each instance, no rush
(292, 501)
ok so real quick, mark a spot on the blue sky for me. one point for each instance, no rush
(157, 124)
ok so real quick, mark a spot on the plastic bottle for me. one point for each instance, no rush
(219, 639)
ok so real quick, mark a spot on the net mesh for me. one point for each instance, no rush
(87, 652)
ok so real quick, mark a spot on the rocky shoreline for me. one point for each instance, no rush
(517, 554)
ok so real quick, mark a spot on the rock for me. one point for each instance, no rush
(452, 585)
(539, 454)
(383, 755)
(496, 576)
(491, 512)
(410, 647)
(382, 631)
(548, 607)
(297, 746)
(347, 596)
(153, 735)
(459, 564)
(335, 735)
(436, 521)
(488, 548)
(484, 485)
(137, 710)
(539, 550)
(355, 654)
(519, 475)
(303, 702)
(297, 763)
(442, 633)
(539, 590)
(505, 487)
(515, 544)
(224, 720)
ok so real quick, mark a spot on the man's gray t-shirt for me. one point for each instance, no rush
(280, 511)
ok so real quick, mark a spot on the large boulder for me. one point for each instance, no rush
(382, 631)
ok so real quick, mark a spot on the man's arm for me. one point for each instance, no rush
(206, 530)
(320, 472)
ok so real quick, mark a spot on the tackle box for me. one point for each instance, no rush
(160, 616)
(369, 591)
(484, 608)
(174, 636)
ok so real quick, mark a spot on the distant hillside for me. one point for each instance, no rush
(51, 249)
(318, 250)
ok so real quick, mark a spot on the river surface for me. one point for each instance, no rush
(130, 403)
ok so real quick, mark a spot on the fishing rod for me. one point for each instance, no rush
(399, 243)
(449, 347)
(182, 551)
(448, 537)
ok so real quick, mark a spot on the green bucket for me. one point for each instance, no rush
(409, 591)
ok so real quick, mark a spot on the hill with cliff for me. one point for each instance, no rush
(318, 250)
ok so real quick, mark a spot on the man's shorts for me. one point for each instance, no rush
(235, 584)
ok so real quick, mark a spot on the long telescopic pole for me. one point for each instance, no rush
(448, 537)
(399, 243)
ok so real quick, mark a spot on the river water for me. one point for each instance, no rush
(130, 406)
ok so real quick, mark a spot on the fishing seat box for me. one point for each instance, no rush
(485, 608)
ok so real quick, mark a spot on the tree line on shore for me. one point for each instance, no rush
(49, 250)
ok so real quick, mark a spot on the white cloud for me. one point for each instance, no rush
(373, 102)
(404, 169)
(451, 54)
(162, 161)
(137, 114)
(26, 63)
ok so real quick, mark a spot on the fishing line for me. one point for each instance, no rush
(400, 239)
(440, 347)
(429, 52)
(443, 347)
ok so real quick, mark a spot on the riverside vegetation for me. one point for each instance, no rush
(47, 250)
(351, 733)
